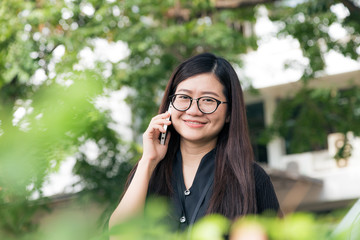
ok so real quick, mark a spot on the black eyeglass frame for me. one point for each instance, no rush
(218, 102)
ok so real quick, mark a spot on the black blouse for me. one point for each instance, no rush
(191, 204)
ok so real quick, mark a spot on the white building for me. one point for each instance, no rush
(309, 181)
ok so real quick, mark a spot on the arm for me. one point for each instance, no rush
(134, 198)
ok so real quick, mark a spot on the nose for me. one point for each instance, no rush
(194, 109)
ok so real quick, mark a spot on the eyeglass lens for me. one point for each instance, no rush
(205, 104)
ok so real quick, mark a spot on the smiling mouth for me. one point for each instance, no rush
(194, 123)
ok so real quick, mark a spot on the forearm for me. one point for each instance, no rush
(134, 198)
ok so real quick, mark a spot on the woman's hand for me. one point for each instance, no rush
(133, 200)
(153, 151)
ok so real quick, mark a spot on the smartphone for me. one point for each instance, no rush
(163, 135)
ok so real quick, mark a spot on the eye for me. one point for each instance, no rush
(183, 97)
(208, 100)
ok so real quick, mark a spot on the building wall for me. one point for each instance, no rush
(338, 184)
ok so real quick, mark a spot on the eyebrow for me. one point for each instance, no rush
(203, 93)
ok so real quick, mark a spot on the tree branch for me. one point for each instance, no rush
(351, 6)
(229, 4)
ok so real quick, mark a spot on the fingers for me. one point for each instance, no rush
(165, 115)
(159, 125)
(157, 128)
(156, 125)
(159, 121)
(152, 147)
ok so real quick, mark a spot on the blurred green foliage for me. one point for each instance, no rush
(297, 226)
(153, 224)
(50, 132)
(46, 38)
(309, 23)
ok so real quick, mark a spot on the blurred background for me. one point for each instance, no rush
(81, 79)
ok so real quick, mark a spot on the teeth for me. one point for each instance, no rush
(194, 122)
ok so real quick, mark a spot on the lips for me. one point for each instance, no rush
(194, 123)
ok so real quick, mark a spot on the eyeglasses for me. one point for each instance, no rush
(182, 102)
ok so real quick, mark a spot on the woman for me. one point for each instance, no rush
(207, 164)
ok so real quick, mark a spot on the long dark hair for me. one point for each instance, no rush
(234, 154)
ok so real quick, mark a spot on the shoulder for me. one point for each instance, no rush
(260, 176)
(265, 193)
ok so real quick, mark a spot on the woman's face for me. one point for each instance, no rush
(193, 125)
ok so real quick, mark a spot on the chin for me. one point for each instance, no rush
(197, 139)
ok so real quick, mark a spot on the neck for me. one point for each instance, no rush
(192, 153)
